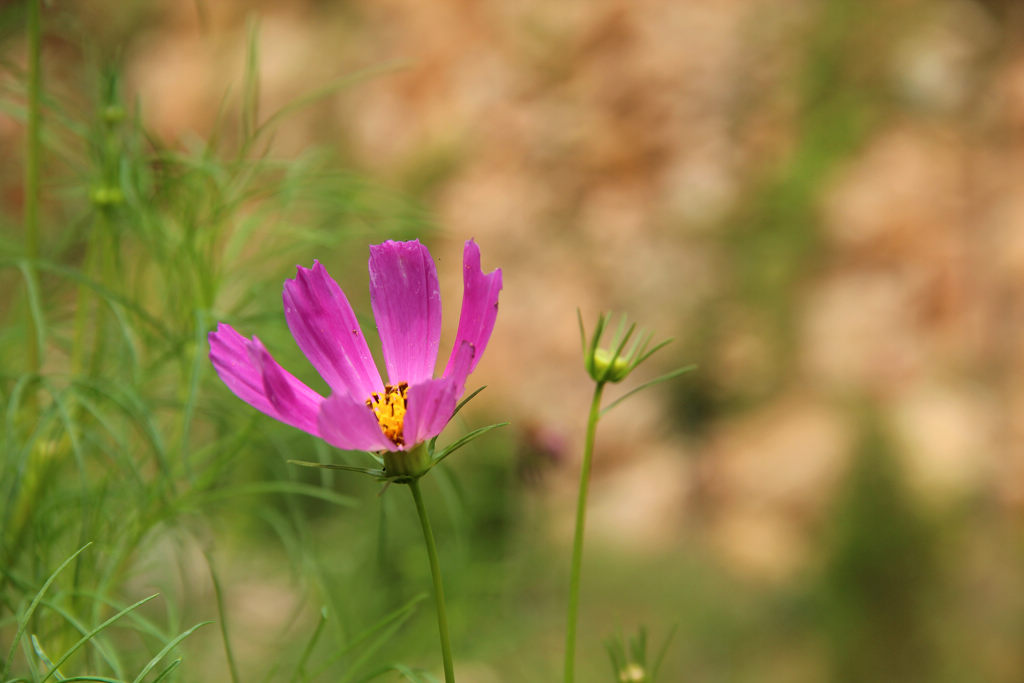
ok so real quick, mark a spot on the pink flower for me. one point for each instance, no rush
(362, 412)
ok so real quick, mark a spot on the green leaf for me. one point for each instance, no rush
(285, 487)
(167, 648)
(459, 443)
(664, 378)
(167, 671)
(467, 400)
(88, 636)
(44, 658)
(23, 621)
(386, 626)
(662, 652)
(218, 594)
(300, 668)
(331, 466)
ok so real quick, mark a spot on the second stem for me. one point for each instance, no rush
(577, 544)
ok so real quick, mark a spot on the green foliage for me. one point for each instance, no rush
(629, 659)
(115, 430)
(881, 574)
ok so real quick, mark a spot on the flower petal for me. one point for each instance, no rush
(351, 425)
(479, 306)
(325, 328)
(406, 303)
(248, 369)
(430, 404)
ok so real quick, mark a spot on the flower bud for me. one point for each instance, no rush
(614, 364)
(632, 673)
(614, 369)
(113, 114)
(106, 196)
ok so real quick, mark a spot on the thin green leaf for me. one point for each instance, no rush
(583, 334)
(23, 621)
(285, 487)
(662, 652)
(251, 81)
(403, 670)
(88, 636)
(319, 94)
(331, 466)
(396, 618)
(167, 672)
(368, 650)
(43, 657)
(199, 363)
(618, 350)
(167, 648)
(35, 305)
(300, 668)
(602, 320)
(219, 598)
(467, 400)
(657, 347)
(102, 290)
(459, 443)
(664, 378)
(109, 657)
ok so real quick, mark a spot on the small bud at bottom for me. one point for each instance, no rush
(633, 673)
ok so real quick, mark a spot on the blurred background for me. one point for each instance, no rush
(821, 201)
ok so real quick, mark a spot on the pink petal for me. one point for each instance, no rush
(350, 425)
(254, 376)
(325, 328)
(479, 306)
(406, 303)
(430, 404)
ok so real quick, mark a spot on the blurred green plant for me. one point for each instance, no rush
(112, 431)
(612, 364)
(629, 658)
(882, 570)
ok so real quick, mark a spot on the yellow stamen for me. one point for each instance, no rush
(389, 408)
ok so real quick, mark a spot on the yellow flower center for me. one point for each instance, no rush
(389, 408)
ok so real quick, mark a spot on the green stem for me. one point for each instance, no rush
(435, 570)
(577, 544)
(33, 152)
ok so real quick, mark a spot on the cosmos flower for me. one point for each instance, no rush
(362, 412)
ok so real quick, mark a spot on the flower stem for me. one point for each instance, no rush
(577, 544)
(33, 152)
(435, 571)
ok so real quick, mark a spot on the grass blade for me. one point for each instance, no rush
(88, 636)
(459, 443)
(167, 648)
(219, 595)
(23, 622)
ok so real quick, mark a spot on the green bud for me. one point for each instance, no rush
(627, 351)
(106, 196)
(619, 367)
(404, 466)
(113, 113)
(633, 673)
